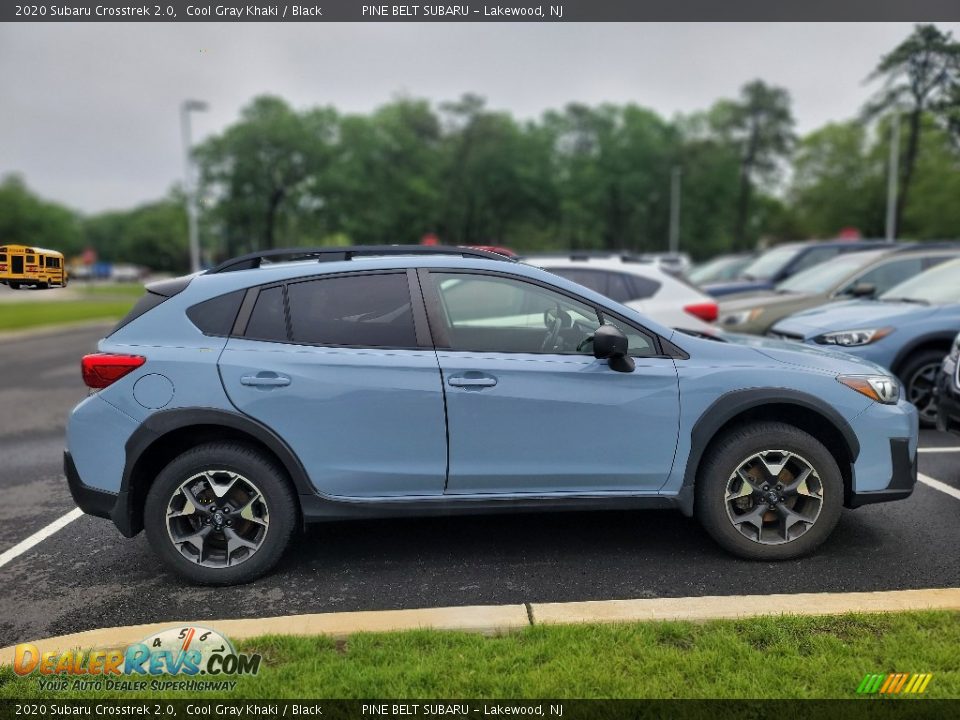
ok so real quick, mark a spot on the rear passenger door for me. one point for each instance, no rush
(342, 369)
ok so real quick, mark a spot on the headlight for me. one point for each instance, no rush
(880, 388)
(741, 318)
(852, 338)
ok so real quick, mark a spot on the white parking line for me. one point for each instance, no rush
(39, 536)
(937, 485)
(936, 449)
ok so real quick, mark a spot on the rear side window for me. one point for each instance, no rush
(216, 315)
(356, 310)
(268, 320)
(615, 285)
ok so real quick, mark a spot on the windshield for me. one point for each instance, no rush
(937, 286)
(771, 262)
(825, 276)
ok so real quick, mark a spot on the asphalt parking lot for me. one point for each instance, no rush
(86, 575)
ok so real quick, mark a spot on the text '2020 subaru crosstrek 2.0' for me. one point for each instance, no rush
(234, 406)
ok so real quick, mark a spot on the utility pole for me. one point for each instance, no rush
(189, 186)
(893, 173)
(675, 176)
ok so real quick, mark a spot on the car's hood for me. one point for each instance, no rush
(814, 357)
(736, 286)
(853, 315)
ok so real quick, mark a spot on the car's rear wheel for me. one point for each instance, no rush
(221, 514)
(919, 375)
(768, 491)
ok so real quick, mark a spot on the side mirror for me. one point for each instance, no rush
(863, 290)
(610, 344)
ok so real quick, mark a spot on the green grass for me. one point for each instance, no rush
(775, 657)
(111, 290)
(22, 315)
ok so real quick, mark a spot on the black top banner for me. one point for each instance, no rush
(505, 11)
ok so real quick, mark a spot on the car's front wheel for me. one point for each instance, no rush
(919, 375)
(221, 514)
(768, 491)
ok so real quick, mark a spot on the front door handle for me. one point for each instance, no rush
(265, 380)
(472, 380)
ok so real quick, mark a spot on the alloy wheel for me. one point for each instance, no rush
(217, 519)
(774, 496)
(920, 387)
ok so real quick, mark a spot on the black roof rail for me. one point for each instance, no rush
(335, 254)
(920, 245)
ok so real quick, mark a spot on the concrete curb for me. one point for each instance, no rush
(493, 619)
(488, 619)
(740, 606)
(54, 329)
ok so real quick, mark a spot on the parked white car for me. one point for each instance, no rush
(641, 285)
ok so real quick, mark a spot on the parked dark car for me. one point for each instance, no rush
(947, 391)
(783, 261)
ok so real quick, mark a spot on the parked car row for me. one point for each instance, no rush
(896, 305)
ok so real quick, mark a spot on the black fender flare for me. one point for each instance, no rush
(733, 403)
(161, 423)
(938, 336)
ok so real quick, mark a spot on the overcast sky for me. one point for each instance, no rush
(88, 112)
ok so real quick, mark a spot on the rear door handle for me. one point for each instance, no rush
(472, 381)
(265, 380)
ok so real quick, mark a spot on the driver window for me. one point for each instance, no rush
(486, 313)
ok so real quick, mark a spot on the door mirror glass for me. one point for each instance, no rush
(610, 344)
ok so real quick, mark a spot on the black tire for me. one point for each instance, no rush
(14, 286)
(43, 286)
(918, 375)
(269, 478)
(727, 453)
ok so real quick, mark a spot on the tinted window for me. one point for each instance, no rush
(366, 310)
(31, 259)
(615, 285)
(3, 257)
(268, 321)
(890, 273)
(814, 257)
(216, 316)
(485, 313)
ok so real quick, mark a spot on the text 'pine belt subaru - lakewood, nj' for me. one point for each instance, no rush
(297, 386)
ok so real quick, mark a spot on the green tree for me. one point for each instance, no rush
(760, 125)
(153, 235)
(920, 74)
(262, 171)
(26, 219)
(838, 181)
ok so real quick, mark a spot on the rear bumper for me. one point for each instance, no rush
(99, 503)
(902, 481)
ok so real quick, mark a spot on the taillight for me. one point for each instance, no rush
(706, 311)
(103, 369)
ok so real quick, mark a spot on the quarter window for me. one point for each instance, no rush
(356, 310)
(268, 321)
(486, 313)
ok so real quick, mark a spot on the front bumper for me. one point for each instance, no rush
(902, 480)
(96, 502)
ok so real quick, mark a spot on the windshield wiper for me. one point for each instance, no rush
(915, 301)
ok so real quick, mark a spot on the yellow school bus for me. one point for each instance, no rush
(22, 265)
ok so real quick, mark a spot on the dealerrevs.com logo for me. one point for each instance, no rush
(894, 684)
(190, 653)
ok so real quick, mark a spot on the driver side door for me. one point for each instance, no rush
(529, 409)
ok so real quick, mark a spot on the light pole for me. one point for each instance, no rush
(675, 176)
(892, 176)
(186, 107)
